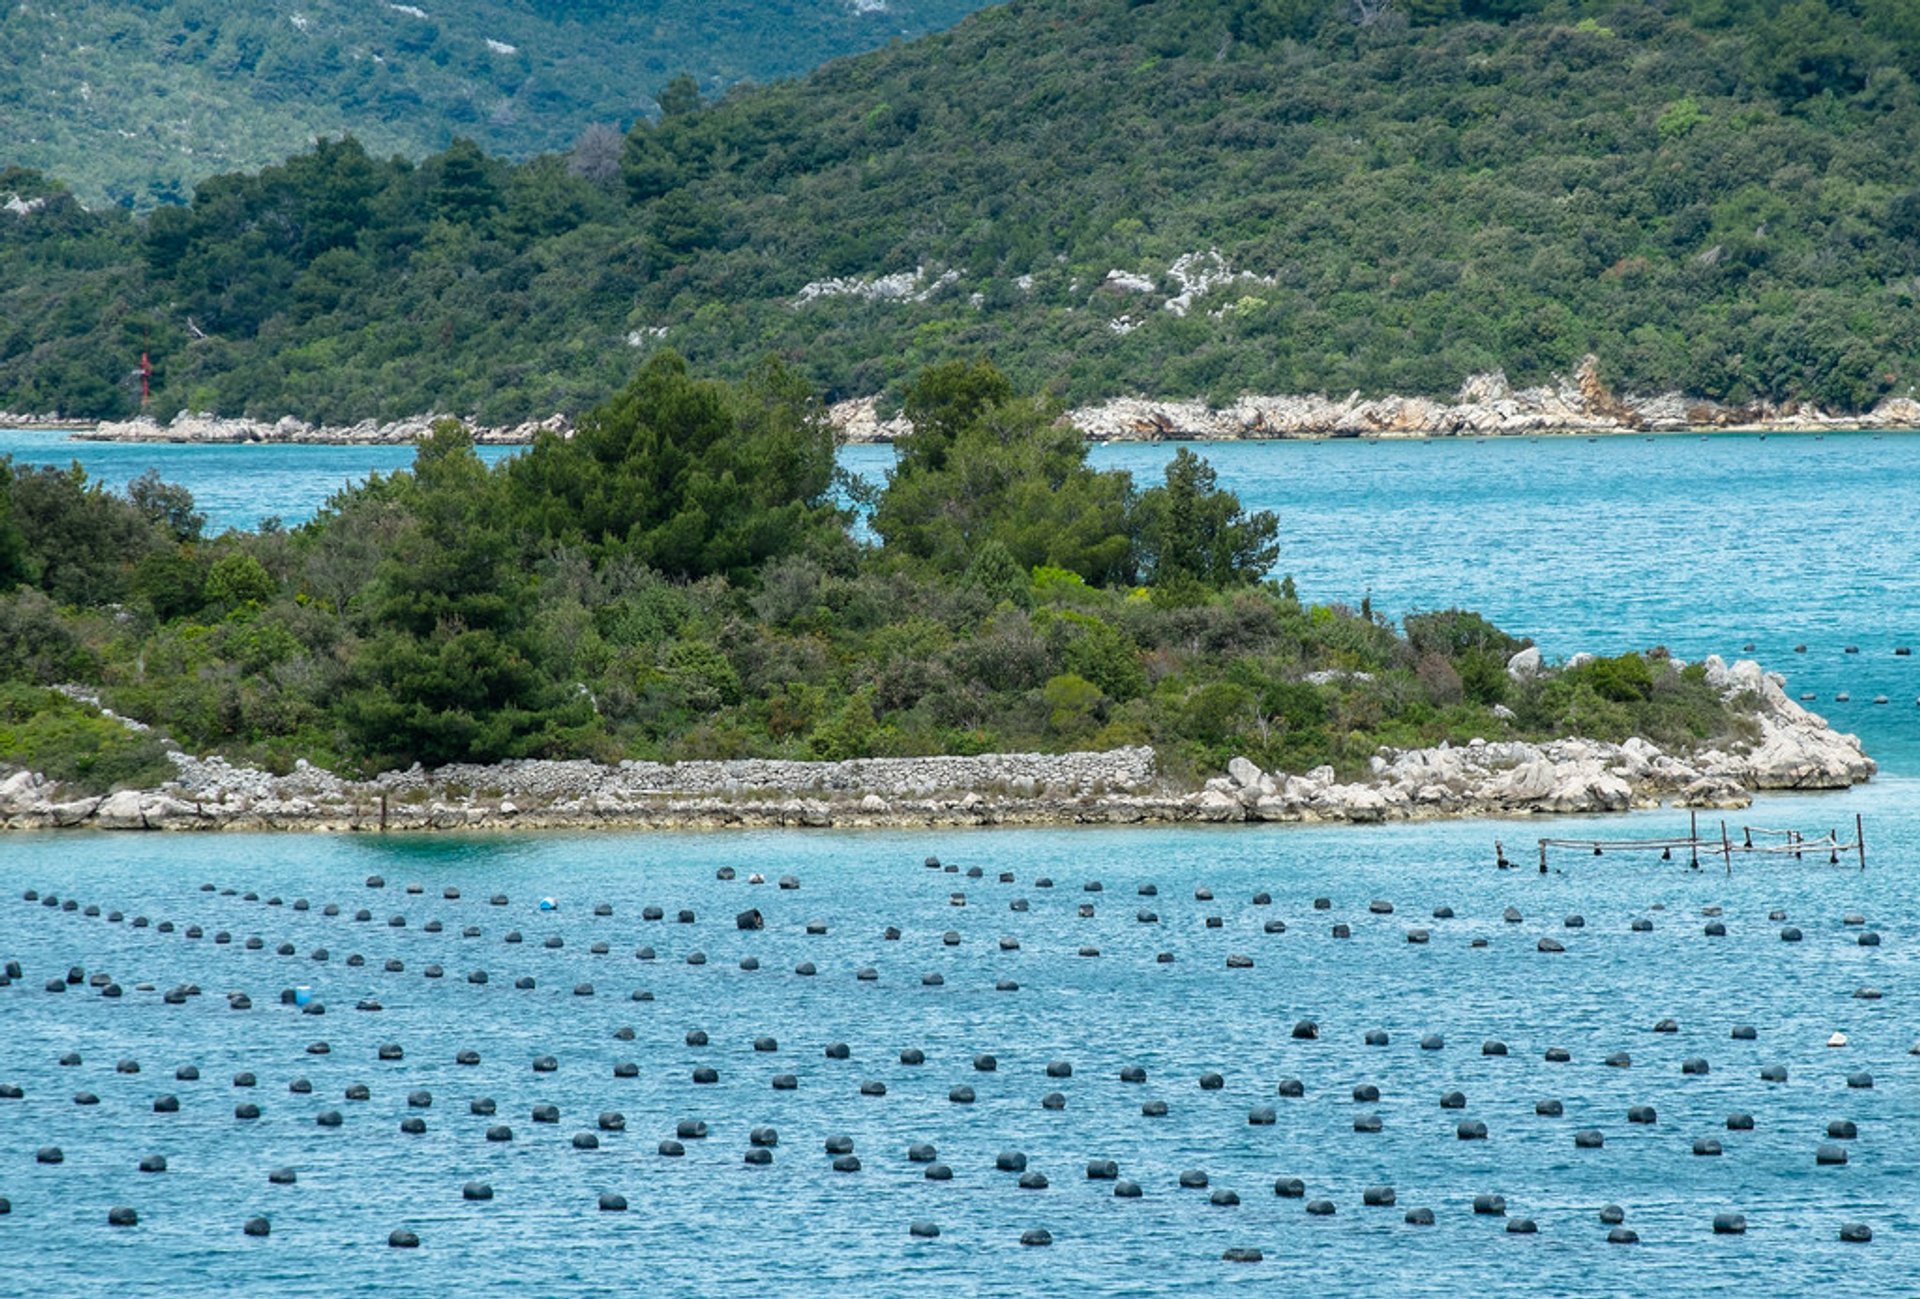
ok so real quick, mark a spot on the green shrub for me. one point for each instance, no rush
(66, 741)
(1623, 679)
(39, 644)
(238, 579)
(1073, 706)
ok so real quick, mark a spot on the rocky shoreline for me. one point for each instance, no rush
(1486, 406)
(46, 423)
(1793, 749)
(188, 427)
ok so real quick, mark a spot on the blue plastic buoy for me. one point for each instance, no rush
(548, 904)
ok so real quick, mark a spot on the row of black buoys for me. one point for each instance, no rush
(1383, 1035)
(1547, 943)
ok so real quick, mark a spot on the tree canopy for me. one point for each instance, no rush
(983, 467)
(135, 103)
(1193, 530)
(687, 476)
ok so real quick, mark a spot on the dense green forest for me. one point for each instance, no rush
(680, 579)
(135, 101)
(1182, 198)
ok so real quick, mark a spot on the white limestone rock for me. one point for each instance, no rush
(21, 791)
(1272, 807)
(1525, 665)
(121, 811)
(1525, 784)
(1583, 790)
(1362, 803)
(1214, 805)
(70, 813)
(1714, 792)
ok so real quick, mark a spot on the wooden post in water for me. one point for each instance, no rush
(1543, 856)
(1860, 839)
(1693, 835)
(1726, 847)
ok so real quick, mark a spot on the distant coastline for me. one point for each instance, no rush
(1486, 406)
(214, 430)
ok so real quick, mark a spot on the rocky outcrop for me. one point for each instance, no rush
(1485, 406)
(1525, 665)
(1792, 749)
(1795, 749)
(858, 420)
(196, 428)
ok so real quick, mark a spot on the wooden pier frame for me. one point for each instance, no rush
(1754, 840)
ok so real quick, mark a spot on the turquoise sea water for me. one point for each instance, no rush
(707, 1223)
(234, 486)
(1701, 545)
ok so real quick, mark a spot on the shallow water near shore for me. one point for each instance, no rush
(708, 1223)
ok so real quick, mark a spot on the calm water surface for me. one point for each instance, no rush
(708, 1223)
(1702, 545)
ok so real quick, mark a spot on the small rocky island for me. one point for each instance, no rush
(1793, 749)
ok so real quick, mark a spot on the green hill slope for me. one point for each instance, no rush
(135, 100)
(1194, 198)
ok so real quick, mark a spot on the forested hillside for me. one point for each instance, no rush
(1182, 198)
(136, 100)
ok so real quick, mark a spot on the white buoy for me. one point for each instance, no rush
(1838, 1039)
(548, 904)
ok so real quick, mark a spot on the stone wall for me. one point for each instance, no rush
(1025, 775)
